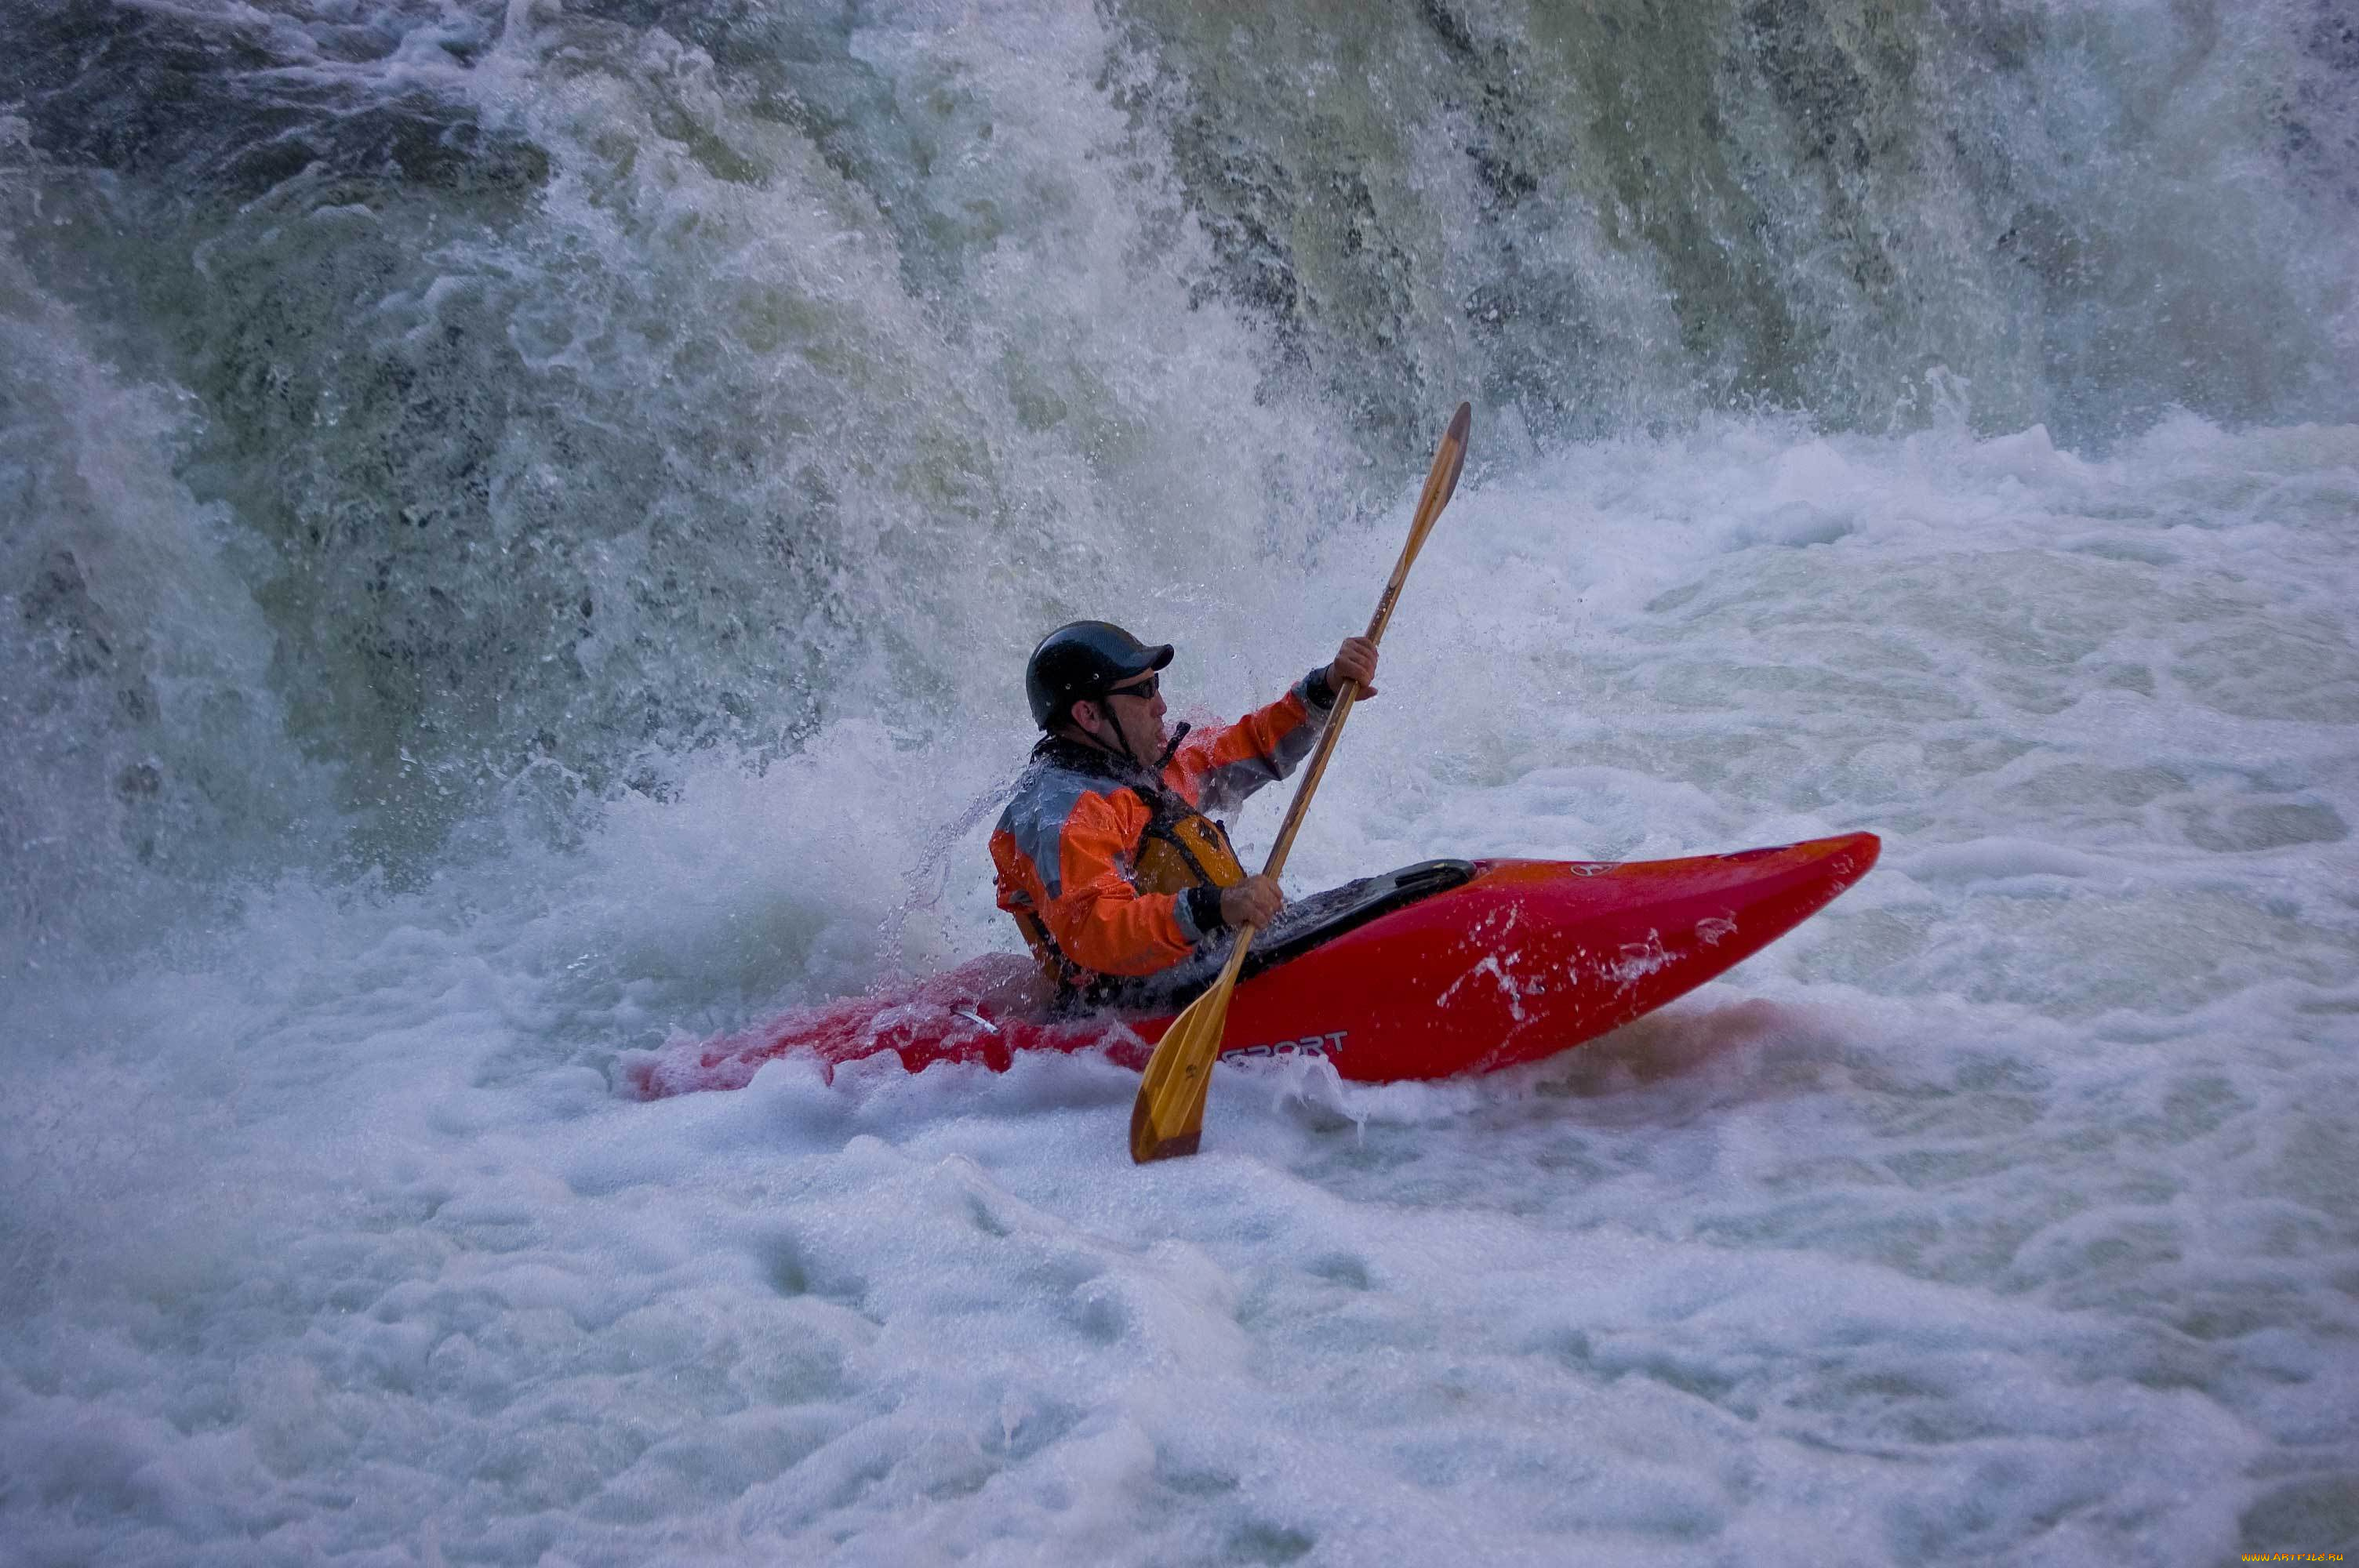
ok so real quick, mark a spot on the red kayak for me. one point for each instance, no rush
(1442, 968)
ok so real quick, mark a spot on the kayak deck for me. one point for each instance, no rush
(1445, 967)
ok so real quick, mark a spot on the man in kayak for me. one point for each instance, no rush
(1106, 856)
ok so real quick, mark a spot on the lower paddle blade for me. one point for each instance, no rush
(1167, 1119)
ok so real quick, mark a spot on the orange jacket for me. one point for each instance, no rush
(1066, 844)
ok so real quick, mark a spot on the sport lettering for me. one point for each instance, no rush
(1308, 1045)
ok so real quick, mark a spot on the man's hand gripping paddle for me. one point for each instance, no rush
(1168, 1118)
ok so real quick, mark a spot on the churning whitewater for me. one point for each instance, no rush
(519, 528)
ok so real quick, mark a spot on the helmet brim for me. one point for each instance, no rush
(1157, 658)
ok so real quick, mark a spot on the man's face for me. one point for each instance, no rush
(1137, 707)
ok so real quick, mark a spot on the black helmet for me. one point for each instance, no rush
(1081, 660)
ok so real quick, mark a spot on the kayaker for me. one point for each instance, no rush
(1106, 855)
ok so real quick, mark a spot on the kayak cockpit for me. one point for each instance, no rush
(1306, 924)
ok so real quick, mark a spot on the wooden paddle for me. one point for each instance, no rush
(1168, 1118)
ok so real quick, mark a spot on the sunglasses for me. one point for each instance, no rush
(1145, 690)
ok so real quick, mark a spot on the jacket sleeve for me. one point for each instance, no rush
(1096, 914)
(1219, 769)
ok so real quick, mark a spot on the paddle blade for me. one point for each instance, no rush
(1461, 424)
(1441, 480)
(1167, 1119)
(1441, 484)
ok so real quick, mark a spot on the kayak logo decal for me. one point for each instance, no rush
(1308, 1045)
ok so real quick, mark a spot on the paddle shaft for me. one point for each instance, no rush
(1346, 694)
(1439, 486)
(1294, 815)
(1168, 1117)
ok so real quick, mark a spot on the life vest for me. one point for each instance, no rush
(1184, 848)
(1181, 848)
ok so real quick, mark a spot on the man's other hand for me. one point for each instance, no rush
(1253, 901)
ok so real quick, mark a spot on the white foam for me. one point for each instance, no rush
(2000, 1212)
